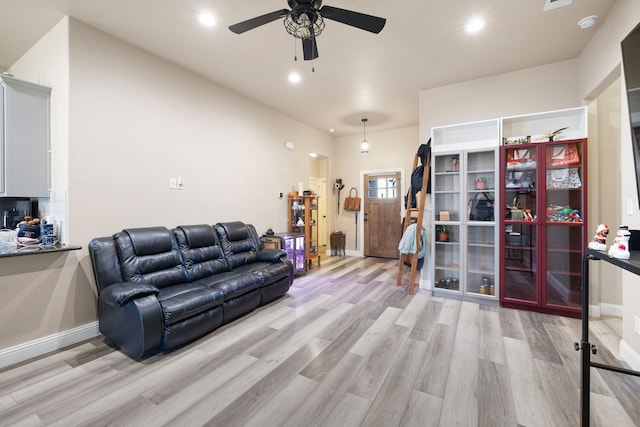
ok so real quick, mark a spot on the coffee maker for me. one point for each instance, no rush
(14, 209)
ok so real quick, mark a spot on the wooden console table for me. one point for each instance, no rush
(584, 346)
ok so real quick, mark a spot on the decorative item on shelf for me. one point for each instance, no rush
(515, 209)
(563, 179)
(517, 239)
(481, 207)
(527, 215)
(620, 247)
(520, 158)
(445, 216)
(521, 180)
(563, 155)
(552, 134)
(442, 233)
(480, 183)
(557, 213)
(517, 140)
(300, 222)
(455, 163)
(599, 241)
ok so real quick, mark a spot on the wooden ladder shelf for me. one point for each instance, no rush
(415, 215)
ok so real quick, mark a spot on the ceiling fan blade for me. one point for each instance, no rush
(310, 48)
(252, 23)
(355, 19)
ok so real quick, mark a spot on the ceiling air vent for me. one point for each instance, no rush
(554, 4)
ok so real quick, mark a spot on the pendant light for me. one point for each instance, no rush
(364, 145)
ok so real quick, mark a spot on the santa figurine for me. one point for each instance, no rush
(620, 247)
(599, 241)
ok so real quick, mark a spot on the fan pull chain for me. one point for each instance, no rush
(295, 50)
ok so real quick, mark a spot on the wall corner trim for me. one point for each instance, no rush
(629, 355)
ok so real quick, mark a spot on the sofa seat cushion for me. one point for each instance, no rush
(233, 283)
(269, 272)
(180, 302)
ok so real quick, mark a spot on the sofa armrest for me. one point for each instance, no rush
(271, 255)
(120, 294)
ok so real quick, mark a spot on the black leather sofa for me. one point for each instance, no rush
(159, 289)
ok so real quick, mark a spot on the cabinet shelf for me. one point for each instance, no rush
(481, 245)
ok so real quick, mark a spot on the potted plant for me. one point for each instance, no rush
(441, 234)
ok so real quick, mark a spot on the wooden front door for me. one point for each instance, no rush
(382, 227)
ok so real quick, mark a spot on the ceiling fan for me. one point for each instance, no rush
(305, 21)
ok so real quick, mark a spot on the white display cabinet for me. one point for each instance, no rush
(537, 125)
(464, 261)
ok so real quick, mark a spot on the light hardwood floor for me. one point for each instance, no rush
(346, 347)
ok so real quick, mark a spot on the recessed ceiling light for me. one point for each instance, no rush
(332, 130)
(313, 154)
(587, 22)
(474, 25)
(207, 19)
(294, 78)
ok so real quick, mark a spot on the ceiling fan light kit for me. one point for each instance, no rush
(305, 21)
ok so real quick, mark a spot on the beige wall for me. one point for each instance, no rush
(388, 150)
(600, 64)
(604, 194)
(543, 88)
(135, 120)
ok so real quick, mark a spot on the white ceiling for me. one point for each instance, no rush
(358, 74)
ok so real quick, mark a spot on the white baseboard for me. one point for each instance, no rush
(596, 311)
(613, 310)
(20, 353)
(629, 355)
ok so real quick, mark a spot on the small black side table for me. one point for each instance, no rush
(584, 346)
(337, 240)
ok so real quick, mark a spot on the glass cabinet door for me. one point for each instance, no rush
(481, 259)
(480, 231)
(564, 224)
(447, 257)
(447, 225)
(313, 226)
(520, 233)
(520, 262)
(447, 188)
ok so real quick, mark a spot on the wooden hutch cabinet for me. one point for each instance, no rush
(303, 218)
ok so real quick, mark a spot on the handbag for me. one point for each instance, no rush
(563, 178)
(352, 203)
(563, 155)
(481, 209)
(520, 158)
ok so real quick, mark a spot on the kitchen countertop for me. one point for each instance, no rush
(36, 249)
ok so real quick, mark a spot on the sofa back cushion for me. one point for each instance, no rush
(150, 255)
(105, 262)
(237, 242)
(201, 250)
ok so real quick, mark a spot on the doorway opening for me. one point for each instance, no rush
(380, 227)
(318, 170)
